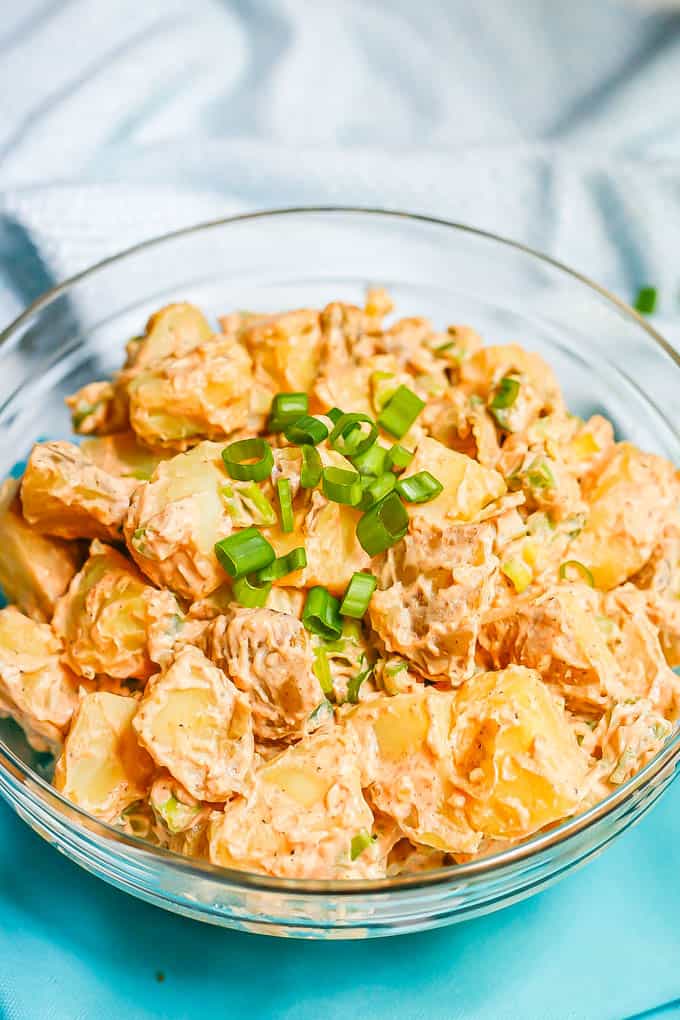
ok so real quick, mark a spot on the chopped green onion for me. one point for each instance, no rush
(349, 438)
(573, 570)
(419, 488)
(383, 386)
(355, 683)
(285, 504)
(310, 473)
(342, 486)
(392, 668)
(358, 595)
(506, 393)
(296, 559)
(371, 461)
(539, 475)
(383, 525)
(645, 302)
(335, 414)
(400, 411)
(359, 843)
(248, 460)
(246, 504)
(519, 572)
(286, 409)
(321, 614)
(398, 458)
(375, 489)
(244, 552)
(322, 713)
(306, 431)
(446, 346)
(251, 592)
(322, 670)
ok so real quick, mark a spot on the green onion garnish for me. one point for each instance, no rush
(248, 460)
(400, 411)
(358, 595)
(349, 438)
(573, 570)
(371, 461)
(539, 475)
(285, 504)
(398, 458)
(335, 414)
(506, 393)
(359, 843)
(419, 488)
(294, 560)
(322, 671)
(342, 486)
(519, 572)
(251, 592)
(310, 473)
(244, 552)
(321, 614)
(375, 489)
(246, 504)
(383, 525)
(645, 302)
(286, 409)
(306, 431)
(354, 685)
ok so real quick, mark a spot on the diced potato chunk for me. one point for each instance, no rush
(102, 767)
(195, 723)
(468, 487)
(203, 395)
(98, 408)
(328, 533)
(122, 455)
(406, 763)
(34, 569)
(35, 689)
(268, 655)
(172, 331)
(631, 500)
(285, 350)
(176, 518)
(65, 494)
(517, 757)
(301, 816)
(104, 617)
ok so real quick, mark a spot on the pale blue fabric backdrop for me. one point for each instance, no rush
(554, 123)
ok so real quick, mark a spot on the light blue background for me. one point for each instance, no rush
(554, 123)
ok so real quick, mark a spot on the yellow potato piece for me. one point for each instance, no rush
(64, 494)
(172, 331)
(123, 455)
(176, 518)
(195, 723)
(104, 617)
(631, 500)
(406, 764)
(34, 569)
(468, 487)
(515, 753)
(299, 820)
(285, 350)
(102, 768)
(36, 690)
(98, 408)
(328, 533)
(203, 395)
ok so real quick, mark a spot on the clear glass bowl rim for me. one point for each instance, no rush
(493, 865)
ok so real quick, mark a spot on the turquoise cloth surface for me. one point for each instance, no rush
(555, 124)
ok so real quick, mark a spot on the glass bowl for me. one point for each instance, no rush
(608, 360)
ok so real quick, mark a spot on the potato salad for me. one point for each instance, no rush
(333, 594)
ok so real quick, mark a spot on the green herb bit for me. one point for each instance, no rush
(645, 302)
(360, 842)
